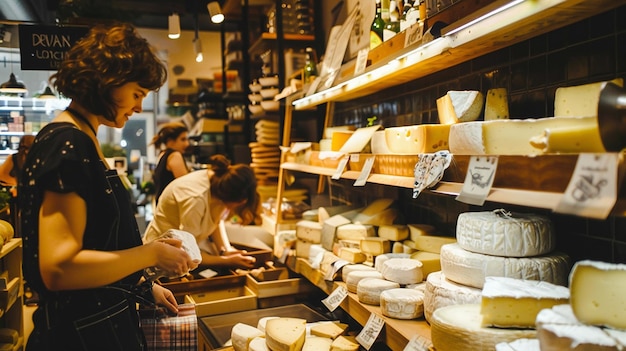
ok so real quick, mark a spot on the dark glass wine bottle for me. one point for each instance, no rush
(377, 27)
(310, 66)
(392, 27)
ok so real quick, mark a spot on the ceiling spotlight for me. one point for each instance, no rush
(197, 48)
(216, 12)
(173, 22)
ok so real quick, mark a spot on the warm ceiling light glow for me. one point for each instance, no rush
(173, 22)
(197, 47)
(216, 12)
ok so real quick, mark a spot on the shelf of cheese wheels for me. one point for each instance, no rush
(495, 26)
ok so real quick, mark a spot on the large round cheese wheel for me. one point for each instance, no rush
(441, 292)
(403, 270)
(353, 278)
(500, 233)
(368, 290)
(469, 268)
(345, 270)
(458, 327)
(380, 259)
(402, 303)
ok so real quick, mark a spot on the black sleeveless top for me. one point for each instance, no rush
(162, 176)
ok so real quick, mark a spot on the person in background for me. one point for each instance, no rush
(200, 201)
(9, 171)
(83, 253)
(171, 165)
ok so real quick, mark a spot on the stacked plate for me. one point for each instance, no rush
(269, 89)
(255, 98)
(265, 151)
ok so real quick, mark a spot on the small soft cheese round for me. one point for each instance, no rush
(402, 303)
(459, 327)
(469, 268)
(345, 270)
(519, 345)
(258, 344)
(506, 234)
(242, 334)
(353, 278)
(441, 292)
(403, 270)
(380, 259)
(368, 290)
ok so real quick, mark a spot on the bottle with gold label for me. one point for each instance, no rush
(377, 27)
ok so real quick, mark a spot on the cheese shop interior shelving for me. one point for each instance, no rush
(11, 295)
(462, 42)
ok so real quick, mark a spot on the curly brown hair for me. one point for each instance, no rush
(108, 57)
(234, 183)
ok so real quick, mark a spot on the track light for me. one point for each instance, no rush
(197, 47)
(173, 22)
(216, 12)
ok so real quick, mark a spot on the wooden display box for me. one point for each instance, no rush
(9, 295)
(227, 300)
(275, 282)
(261, 255)
(182, 288)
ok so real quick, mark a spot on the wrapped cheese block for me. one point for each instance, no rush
(502, 233)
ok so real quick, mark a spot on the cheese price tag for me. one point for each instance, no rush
(340, 167)
(361, 61)
(592, 190)
(335, 298)
(478, 180)
(370, 331)
(365, 172)
(418, 343)
(414, 34)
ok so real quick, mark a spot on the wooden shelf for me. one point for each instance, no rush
(397, 332)
(461, 42)
(267, 41)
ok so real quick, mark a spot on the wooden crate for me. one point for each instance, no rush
(226, 300)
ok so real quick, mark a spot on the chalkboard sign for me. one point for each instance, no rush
(44, 47)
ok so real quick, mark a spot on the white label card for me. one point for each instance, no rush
(370, 331)
(361, 61)
(414, 34)
(335, 298)
(365, 172)
(592, 190)
(478, 180)
(340, 167)
(418, 343)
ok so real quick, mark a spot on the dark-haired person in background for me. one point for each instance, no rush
(174, 136)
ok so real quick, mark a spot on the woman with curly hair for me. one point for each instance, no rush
(174, 136)
(83, 252)
(198, 203)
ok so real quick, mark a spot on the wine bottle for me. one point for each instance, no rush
(310, 66)
(392, 27)
(409, 16)
(377, 27)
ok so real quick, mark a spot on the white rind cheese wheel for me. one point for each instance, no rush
(260, 325)
(380, 259)
(515, 303)
(353, 278)
(368, 290)
(458, 327)
(403, 270)
(402, 303)
(440, 292)
(500, 233)
(242, 334)
(285, 334)
(345, 270)
(469, 268)
(519, 345)
(599, 293)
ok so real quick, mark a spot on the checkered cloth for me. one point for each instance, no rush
(171, 333)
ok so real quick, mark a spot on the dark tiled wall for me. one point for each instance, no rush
(588, 51)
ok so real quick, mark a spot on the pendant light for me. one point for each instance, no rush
(12, 86)
(197, 44)
(216, 12)
(173, 22)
